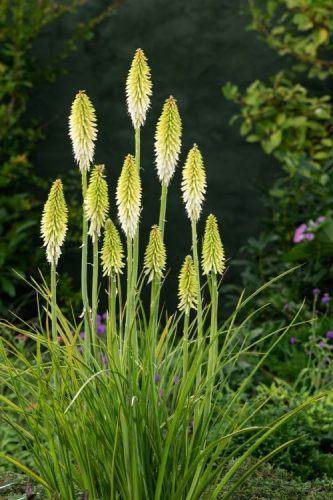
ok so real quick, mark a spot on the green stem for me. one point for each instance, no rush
(155, 287)
(164, 195)
(84, 279)
(185, 345)
(111, 323)
(199, 309)
(94, 298)
(213, 342)
(136, 237)
(129, 293)
(54, 301)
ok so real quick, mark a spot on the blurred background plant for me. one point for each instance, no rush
(291, 119)
(22, 25)
(294, 125)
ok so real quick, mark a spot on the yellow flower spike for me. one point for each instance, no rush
(54, 222)
(188, 287)
(168, 140)
(138, 89)
(129, 197)
(155, 256)
(96, 204)
(112, 254)
(83, 130)
(194, 183)
(213, 259)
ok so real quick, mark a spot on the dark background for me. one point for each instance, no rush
(193, 48)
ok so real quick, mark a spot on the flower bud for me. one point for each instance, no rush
(155, 256)
(213, 259)
(112, 250)
(138, 89)
(194, 183)
(188, 286)
(96, 203)
(82, 130)
(129, 197)
(168, 140)
(54, 222)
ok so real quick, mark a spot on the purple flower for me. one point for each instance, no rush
(299, 233)
(293, 340)
(329, 334)
(286, 306)
(326, 298)
(322, 343)
(157, 377)
(321, 219)
(104, 359)
(309, 236)
(99, 318)
(161, 393)
(80, 349)
(82, 335)
(175, 379)
(316, 291)
(100, 329)
(105, 316)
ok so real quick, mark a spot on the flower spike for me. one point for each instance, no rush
(96, 203)
(83, 130)
(129, 197)
(188, 287)
(54, 222)
(213, 259)
(112, 250)
(155, 256)
(168, 140)
(138, 89)
(194, 183)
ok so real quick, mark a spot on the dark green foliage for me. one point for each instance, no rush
(23, 23)
(294, 125)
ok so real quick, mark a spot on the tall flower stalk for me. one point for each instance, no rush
(213, 263)
(194, 189)
(129, 206)
(188, 299)
(53, 231)
(96, 207)
(83, 134)
(138, 94)
(112, 256)
(154, 266)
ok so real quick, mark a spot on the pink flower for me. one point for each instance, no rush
(299, 233)
(309, 236)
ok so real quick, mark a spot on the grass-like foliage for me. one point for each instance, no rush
(135, 416)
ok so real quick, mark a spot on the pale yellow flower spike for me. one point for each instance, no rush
(54, 222)
(83, 130)
(213, 259)
(112, 254)
(194, 183)
(168, 141)
(138, 89)
(96, 204)
(188, 287)
(129, 197)
(155, 256)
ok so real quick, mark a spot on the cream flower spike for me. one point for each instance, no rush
(54, 222)
(82, 130)
(168, 140)
(213, 259)
(188, 287)
(112, 254)
(129, 197)
(155, 256)
(96, 204)
(138, 89)
(194, 183)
